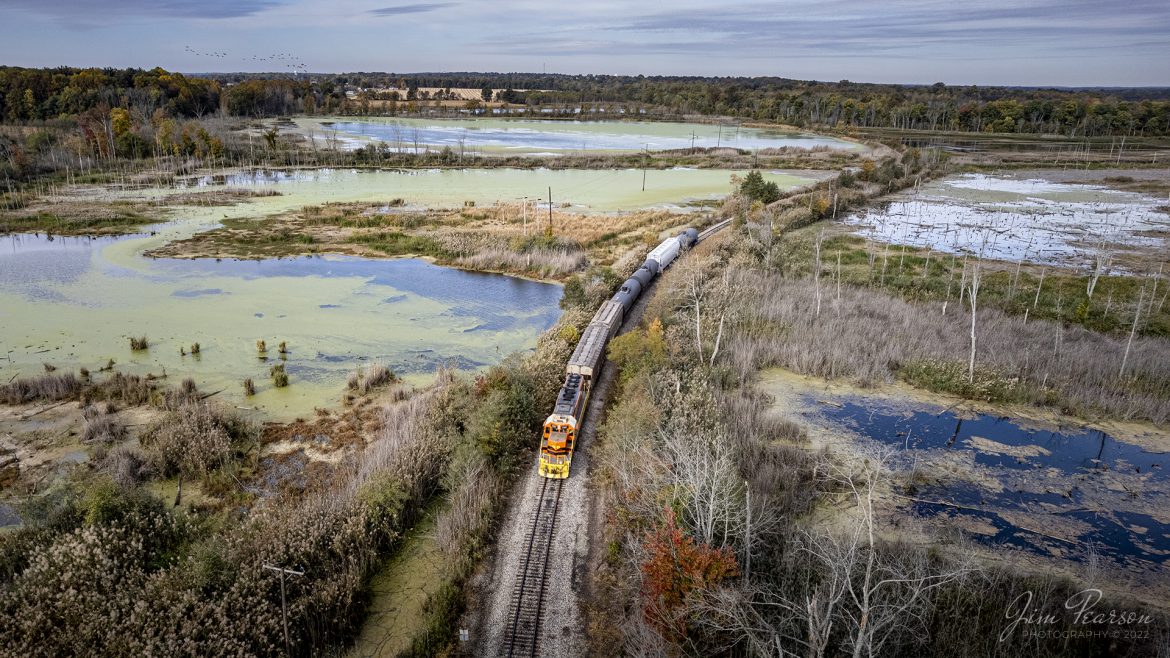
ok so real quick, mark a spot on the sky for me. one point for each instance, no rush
(985, 42)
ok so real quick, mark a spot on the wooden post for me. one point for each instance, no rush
(283, 602)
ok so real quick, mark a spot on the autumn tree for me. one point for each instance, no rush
(676, 567)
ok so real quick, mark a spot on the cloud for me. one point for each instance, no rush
(89, 13)
(904, 29)
(418, 8)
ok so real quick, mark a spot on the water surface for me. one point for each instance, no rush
(580, 189)
(537, 137)
(1060, 491)
(1008, 218)
(74, 302)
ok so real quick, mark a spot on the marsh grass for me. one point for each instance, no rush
(363, 380)
(139, 343)
(100, 425)
(279, 376)
(871, 337)
(394, 243)
(919, 275)
(46, 387)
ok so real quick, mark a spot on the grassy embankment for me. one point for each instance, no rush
(59, 213)
(483, 239)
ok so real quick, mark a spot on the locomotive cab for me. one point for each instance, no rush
(559, 435)
(556, 446)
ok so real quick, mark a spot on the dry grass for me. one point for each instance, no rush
(492, 238)
(363, 380)
(100, 425)
(872, 337)
(138, 343)
(46, 387)
(545, 263)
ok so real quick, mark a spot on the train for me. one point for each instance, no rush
(560, 431)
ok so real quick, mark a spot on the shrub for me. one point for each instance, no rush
(126, 466)
(195, 439)
(362, 381)
(139, 343)
(756, 188)
(100, 426)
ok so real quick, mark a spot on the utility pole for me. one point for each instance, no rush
(645, 152)
(719, 139)
(550, 230)
(283, 603)
(692, 141)
(525, 216)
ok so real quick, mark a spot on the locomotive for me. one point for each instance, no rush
(559, 436)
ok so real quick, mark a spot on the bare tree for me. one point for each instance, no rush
(817, 269)
(1102, 259)
(883, 592)
(694, 274)
(974, 290)
(1137, 312)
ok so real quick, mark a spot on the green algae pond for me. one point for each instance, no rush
(607, 190)
(75, 301)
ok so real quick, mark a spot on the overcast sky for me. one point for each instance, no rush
(1025, 42)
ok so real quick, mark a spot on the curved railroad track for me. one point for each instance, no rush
(526, 604)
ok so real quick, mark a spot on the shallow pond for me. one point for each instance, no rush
(74, 302)
(536, 137)
(1009, 218)
(583, 190)
(1054, 491)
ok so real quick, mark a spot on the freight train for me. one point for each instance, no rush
(562, 427)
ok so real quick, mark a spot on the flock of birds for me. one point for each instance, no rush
(287, 60)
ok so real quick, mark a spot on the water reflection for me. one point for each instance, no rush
(1047, 491)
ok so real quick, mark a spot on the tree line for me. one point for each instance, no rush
(43, 94)
(1072, 112)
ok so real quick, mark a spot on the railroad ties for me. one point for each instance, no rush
(526, 607)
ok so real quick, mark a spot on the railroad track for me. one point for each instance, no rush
(526, 606)
(713, 229)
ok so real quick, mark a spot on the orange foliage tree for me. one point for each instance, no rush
(676, 568)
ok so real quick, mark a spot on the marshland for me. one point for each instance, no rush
(326, 341)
